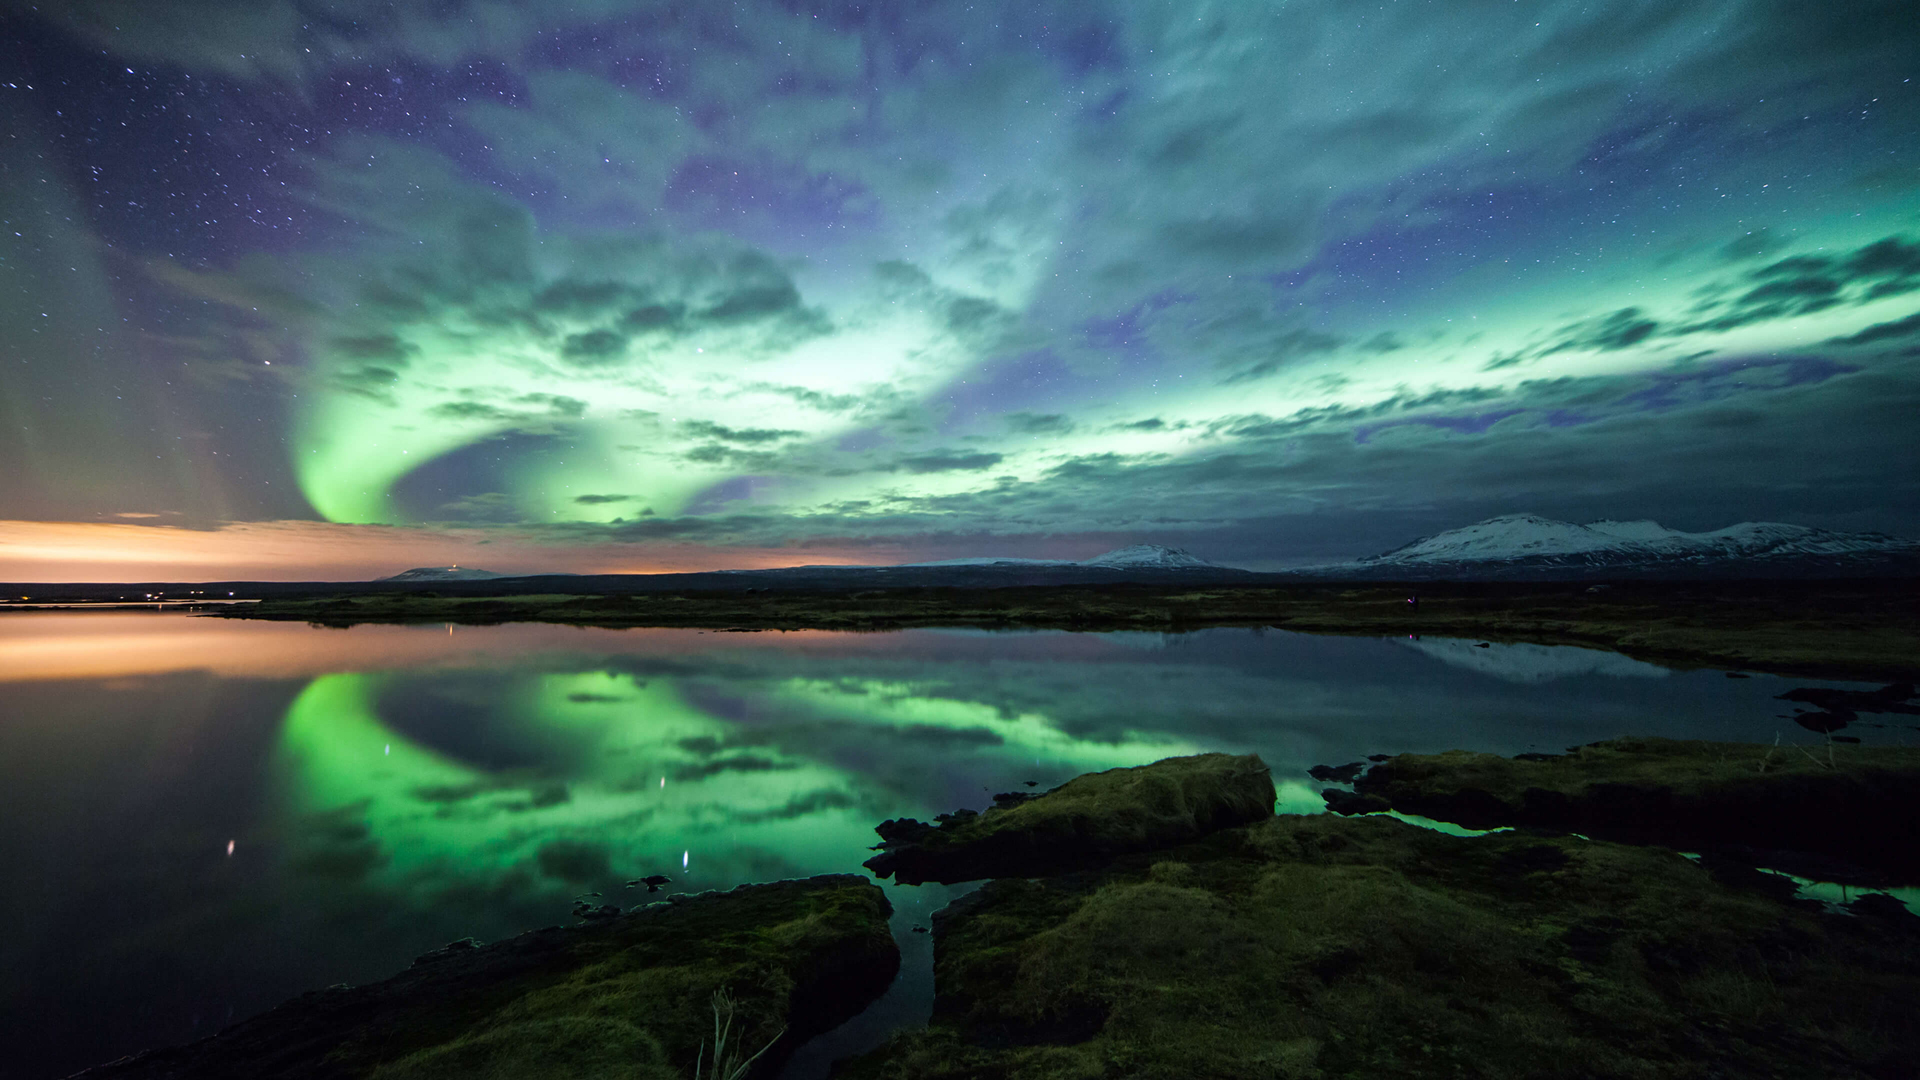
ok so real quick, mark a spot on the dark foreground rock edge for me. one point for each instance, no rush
(1085, 821)
(627, 996)
(1325, 946)
(1842, 813)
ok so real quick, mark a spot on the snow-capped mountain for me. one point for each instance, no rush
(442, 573)
(1531, 542)
(1137, 557)
(1149, 556)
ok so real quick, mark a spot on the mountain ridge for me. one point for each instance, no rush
(1530, 542)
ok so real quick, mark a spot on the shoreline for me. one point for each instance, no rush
(1843, 631)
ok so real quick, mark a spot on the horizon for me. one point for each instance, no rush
(771, 560)
(583, 289)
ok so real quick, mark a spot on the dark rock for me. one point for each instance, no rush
(1737, 675)
(1807, 864)
(626, 996)
(1735, 872)
(1348, 802)
(1887, 909)
(1378, 757)
(902, 830)
(1307, 946)
(1887, 699)
(1337, 774)
(450, 949)
(1824, 721)
(1849, 804)
(1081, 823)
(1012, 798)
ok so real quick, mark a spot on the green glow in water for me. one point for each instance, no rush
(631, 778)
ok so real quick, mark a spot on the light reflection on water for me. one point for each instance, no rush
(201, 817)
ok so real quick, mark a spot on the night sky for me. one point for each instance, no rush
(298, 287)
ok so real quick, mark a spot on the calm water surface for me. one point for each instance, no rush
(200, 818)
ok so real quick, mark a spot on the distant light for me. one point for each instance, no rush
(663, 782)
(229, 849)
(388, 750)
(683, 858)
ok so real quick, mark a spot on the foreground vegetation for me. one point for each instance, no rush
(1324, 946)
(1160, 921)
(1847, 812)
(654, 994)
(1851, 630)
(1327, 947)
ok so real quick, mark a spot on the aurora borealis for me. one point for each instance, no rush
(611, 285)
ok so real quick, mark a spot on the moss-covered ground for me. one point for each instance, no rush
(1095, 816)
(621, 998)
(1365, 947)
(1855, 803)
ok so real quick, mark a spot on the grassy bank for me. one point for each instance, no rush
(1842, 630)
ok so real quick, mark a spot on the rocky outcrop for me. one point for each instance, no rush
(1855, 807)
(1325, 946)
(627, 996)
(1085, 821)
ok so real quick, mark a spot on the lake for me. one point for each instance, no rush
(201, 817)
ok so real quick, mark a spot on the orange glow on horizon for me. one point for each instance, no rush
(60, 551)
(37, 646)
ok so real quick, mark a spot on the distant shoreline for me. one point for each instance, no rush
(1837, 630)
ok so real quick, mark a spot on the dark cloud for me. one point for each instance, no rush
(594, 347)
(1757, 244)
(1622, 329)
(1026, 423)
(1804, 284)
(949, 461)
(745, 763)
(704, 429)
(801, 806)
(1284, 349)
(574, 861)
(1886, 331)
(519, 409)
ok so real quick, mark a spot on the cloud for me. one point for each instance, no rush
(574, 861)
(949, 461)
(1886, 331)
(748, 763)
(1808, 284)
(1026, 423)
(807, 274)
(706, 429)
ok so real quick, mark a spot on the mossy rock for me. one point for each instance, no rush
(1366, 947)
(1082, 822)
(627, 997)
(1856, 804)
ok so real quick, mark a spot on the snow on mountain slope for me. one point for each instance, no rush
(1530, 538)
(442, 573)
(1151, 556)
(1137, 557)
